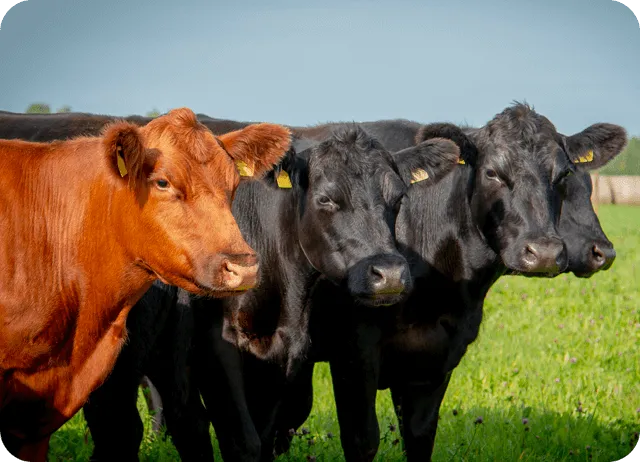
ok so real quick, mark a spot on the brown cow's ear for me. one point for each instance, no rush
(596, 145)
(257, 148)
(123, 143)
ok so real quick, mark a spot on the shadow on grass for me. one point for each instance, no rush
(476, 434)
(480, 434)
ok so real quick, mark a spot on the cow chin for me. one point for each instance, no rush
(379, 300)
(218, 291)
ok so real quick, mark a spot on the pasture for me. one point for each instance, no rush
(553, 376)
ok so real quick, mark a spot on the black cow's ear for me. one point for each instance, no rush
(290, 173)
(468, 150)
(430, 160)
(596, 145)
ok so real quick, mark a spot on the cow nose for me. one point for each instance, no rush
(239, 273)
(387, 278)
(545, 255)
(602, 257)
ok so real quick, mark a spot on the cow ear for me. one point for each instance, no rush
(468, 150)
(124, 144)
(596, 145)
(257, 148)
(291, 173)
(430, 160)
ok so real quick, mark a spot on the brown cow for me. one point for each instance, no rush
(86, 225)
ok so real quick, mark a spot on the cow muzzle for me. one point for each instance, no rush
(228, 274)
(544, 255)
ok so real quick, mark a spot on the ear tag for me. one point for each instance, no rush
(461, 161)
(244, 169)
(122, 168)
(585, 159)
(283, 180)
(418, 175)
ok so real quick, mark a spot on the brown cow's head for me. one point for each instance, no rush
(184, 180)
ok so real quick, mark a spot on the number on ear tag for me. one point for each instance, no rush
(122, 168)
(418, 175)
(585, 159)
(283, 180)
(244, 169)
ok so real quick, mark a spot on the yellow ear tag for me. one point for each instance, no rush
(283, 180)
(122, 168)
(418, 175)
(585, 159)
(461, 161)
(244, 169)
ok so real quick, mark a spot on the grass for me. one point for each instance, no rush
(562, 354)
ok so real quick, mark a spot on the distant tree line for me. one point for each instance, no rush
(627, 163)
(43, 108)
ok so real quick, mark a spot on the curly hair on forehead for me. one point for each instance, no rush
(521, 121)
(182, 130)
(354, 147)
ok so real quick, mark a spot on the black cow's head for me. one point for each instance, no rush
(524, 174)
(588, 247)
(349, 190)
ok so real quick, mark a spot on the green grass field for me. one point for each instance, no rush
(562, 353)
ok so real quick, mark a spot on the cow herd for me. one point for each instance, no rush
(223, 259)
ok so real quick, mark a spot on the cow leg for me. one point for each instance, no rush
(295, 408)
(417, 407)
(266, 385)
(112, 415)
(185, 416)
(217, 365)
(355, 384)
(154, 404)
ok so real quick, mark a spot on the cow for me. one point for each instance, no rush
(328, 212)
(520, 174)
(87, 225)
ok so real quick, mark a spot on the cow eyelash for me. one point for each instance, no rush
(491, 174)
(324, 200)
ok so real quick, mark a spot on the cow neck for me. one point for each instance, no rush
(291, 211)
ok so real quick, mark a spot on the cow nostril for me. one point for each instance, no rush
(229, 268)
(598, 255)
(531, 253)
(377, 275)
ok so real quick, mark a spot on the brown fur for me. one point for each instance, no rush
(80, 245)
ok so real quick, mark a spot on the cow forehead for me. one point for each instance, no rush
(217, 174)
(519, 138)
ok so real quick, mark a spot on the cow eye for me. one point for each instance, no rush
(491, 174)
(324, 200)
(162, 184)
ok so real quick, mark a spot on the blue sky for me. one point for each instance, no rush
(302, 62)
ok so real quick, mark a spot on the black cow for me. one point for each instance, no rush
(459, 239)
(51, 127)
